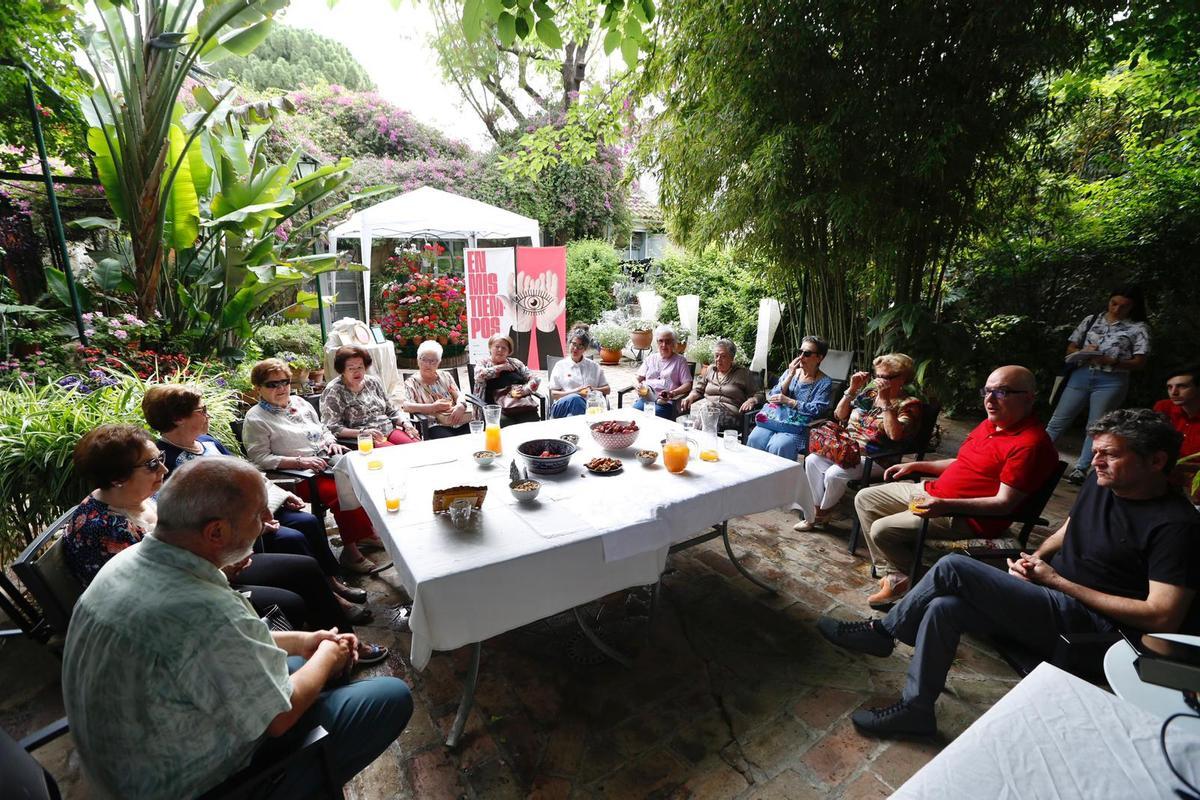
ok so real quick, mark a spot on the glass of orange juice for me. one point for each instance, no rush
(491, 430)
(393, 493)
(675, 452)
(916, 502)
(366, 443)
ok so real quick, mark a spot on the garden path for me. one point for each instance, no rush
(733, 693)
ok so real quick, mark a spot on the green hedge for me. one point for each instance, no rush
(592, 269)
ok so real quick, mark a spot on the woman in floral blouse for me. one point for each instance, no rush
(434, 393)
(504, 380)
(355, 402)
(879, 414)
(127, 469)
(282, 431)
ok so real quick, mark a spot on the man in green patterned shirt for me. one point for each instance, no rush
(171, 681)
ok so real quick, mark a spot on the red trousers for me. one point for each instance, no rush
(353, 525)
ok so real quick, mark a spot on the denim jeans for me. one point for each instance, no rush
(570, 406)
(961, 595)
(785, 445)
(664, 410)
(1100, 391)
(362, 717)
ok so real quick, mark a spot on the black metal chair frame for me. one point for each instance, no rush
(1028, 515)
(246, 783)
(54, 615)
(917, 446)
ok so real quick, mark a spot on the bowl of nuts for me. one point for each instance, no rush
(647, 457)
(614, 434)
(525, 491)
(484, 458)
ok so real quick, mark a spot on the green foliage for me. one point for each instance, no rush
(868, 171)
(297, 337)
(610, 335)
(39, 427)
(291, 58)
(730, 284)
(592, 269)
(702, 350)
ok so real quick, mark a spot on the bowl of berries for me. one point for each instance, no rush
(614, 434)
(547, 456)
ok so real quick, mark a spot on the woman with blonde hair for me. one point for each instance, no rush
(879, 413)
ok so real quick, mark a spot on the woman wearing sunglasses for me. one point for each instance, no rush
(126, 469)
(283, 431)
(879, 413)
(802, 394)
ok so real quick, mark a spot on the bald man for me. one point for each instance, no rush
(1127, 557)
(1002, 461)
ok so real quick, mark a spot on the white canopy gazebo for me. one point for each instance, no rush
(433, 214)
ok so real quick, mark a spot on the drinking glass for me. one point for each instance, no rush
(917, 500)
(366, 443)
(710, 421)
(393, 493)
(731, 439)
(491, 430)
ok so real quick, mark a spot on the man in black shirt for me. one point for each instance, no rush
(1129, 556)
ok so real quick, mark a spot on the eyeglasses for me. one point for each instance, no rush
(428, 360)
(879, 377)
(153, 464)
(201, 410)
(808, 353)
(1001, 392)
(279, 384)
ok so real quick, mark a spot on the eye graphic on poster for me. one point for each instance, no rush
(536, 304)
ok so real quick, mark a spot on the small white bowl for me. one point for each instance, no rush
(647, 457)
(484, 458)
(525, 495)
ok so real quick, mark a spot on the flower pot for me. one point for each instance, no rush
(402, 340)
(442, 340)
(641, 339)
(299, 378)
(610, 356)
(681, 347)
(418, 339)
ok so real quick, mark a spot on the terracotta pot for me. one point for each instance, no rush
(443, 340)
(418, 339)
(610, 356)
(641, 339)
(401, 340)
(681, 347)
(299, 378)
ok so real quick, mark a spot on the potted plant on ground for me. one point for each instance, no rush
(300, 365)
(611, 338)
(702, 350)
(681, 338)
(641, 332)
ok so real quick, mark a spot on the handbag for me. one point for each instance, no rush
(1064, 375)
(509, 403)
(781, 418)
(832, 441)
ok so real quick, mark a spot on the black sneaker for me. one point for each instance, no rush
(861, 637)
(898, 719)
(1076, 477)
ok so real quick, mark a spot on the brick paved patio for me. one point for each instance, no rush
(733, 692)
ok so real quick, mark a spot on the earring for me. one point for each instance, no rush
(118, 485)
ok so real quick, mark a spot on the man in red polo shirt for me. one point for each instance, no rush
(1007, 457)
(1182, 407)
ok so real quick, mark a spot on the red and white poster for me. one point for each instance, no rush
(537, 303)
(490, 277)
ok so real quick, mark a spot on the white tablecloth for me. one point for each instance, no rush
(584, 538)
(1056, 736)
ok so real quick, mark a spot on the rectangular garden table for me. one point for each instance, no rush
(586, 536)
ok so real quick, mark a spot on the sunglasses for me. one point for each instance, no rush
(279, 384)
(809, 353)
(886, 377)
(153, 464)
(1000, 393)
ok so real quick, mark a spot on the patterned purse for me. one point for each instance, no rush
(833, 442)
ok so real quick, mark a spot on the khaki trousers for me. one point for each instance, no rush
(891, 529)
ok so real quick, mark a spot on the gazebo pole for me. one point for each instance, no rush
(55, 216)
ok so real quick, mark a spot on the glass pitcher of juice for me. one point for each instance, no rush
(710, 421)
(595, 404)
(491, 428)
(676, 452)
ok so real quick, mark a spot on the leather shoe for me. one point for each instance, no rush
(358, 615)
(861, 637)
(350, 593)
(898, 719)
(892, 587)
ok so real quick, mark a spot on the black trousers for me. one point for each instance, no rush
(297, 585)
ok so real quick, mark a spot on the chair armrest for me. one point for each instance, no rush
(45, 735)
(621, 395)
(1090, 638)
(991, 553)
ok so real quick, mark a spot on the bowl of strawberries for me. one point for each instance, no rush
(614, 434)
